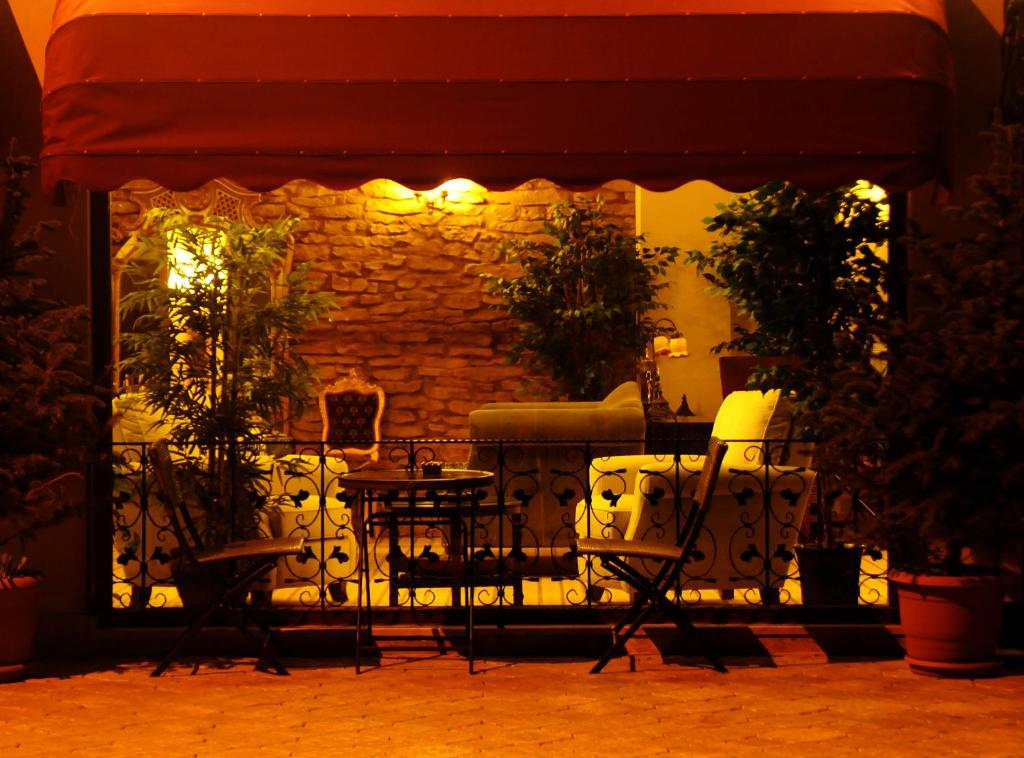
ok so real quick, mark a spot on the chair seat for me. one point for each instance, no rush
(627, 548)
(258, 548)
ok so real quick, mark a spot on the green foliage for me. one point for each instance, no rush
(215, 353)
(582, 300)
(803, 266)
(47, 402)
(938, 436)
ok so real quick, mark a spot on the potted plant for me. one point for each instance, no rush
(47, 414)
(936, 436)
(804, 268)
(214, 321)
(582, 300)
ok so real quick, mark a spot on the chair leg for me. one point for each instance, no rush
(619, 640)
(651, 595)
(270, 646)
(227, 596)
(684, 625)
(189, 632)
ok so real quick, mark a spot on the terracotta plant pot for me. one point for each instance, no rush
(19, 599)
(950, 623)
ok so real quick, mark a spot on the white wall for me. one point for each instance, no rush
(677, 218)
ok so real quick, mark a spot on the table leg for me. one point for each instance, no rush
(470, 578)
(455, 556)
(394, 550)
(364, 572)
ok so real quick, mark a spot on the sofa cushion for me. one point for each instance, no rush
(135, 422)
(746, 415)
(626, 395)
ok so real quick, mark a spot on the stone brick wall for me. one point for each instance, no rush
(411, 312)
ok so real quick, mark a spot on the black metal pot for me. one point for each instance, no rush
(830, 575)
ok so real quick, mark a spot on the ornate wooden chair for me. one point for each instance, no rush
(221, 576)
(351, 410)
(651, 591)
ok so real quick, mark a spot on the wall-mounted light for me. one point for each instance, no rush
(451, 191)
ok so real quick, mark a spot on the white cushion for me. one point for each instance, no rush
(745, 415)
(135, 423)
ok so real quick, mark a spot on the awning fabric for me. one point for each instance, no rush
(659, 92)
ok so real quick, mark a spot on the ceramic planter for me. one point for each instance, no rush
(950, 623)
(19, 599)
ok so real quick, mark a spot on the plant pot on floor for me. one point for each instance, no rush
(19, 599)
(950, 623)
(829, 575)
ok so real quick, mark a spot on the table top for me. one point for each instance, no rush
(404, 479)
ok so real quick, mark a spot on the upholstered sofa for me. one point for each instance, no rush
(541, 470)
(759, 504)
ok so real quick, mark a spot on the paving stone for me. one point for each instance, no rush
(432, 707)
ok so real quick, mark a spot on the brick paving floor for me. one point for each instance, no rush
(432, 707)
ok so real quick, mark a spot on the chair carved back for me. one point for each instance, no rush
(351, 409)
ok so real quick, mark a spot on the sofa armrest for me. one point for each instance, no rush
(665, 477)
(557, 424)
(552, 404)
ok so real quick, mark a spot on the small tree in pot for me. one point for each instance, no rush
(47, 414)
(937, 436)
(804, 267)
(213, 347)
(582, 300)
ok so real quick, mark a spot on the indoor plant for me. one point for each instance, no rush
(803, 267)
(582, 300)
(215, 316)
(47, 413)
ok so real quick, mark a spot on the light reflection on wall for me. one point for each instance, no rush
(182, 266)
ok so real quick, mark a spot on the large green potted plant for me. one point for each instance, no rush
(582, 300)
(803, 267)
(936, 437)
(214, 320)
(47, 414)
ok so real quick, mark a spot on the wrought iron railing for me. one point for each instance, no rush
(544, 493)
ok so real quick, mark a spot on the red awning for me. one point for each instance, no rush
(659, 92)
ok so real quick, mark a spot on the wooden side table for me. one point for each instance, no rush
(687, 435)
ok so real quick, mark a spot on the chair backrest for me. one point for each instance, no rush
(175, 500)
(709, 473)
(703, 496)
(351, 409)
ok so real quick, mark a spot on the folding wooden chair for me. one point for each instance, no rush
(651, 591)
(214, 569)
